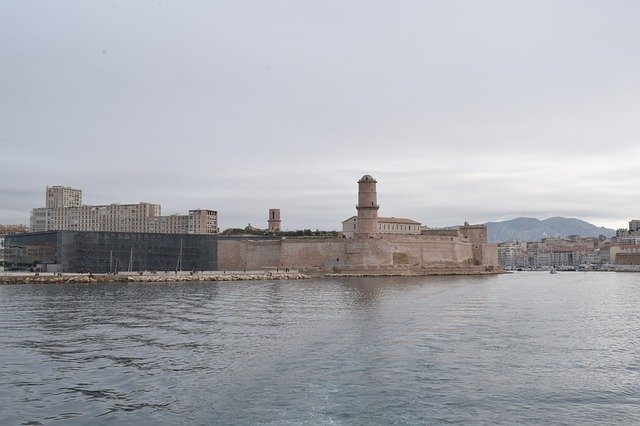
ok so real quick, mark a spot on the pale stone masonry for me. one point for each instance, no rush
(367, 223)
(386, 225)
(274, 223)
(64, 212)
(371, 244)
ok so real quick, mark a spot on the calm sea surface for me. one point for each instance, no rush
(519, 348)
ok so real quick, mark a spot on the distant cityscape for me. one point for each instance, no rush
(574, 252)
(64, 211)
(67, 236)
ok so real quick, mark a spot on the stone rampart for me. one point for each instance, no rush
(407, 251)
(441, 232)
(490, 255)
(391, 252)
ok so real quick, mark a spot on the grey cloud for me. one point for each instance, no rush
(462, 110)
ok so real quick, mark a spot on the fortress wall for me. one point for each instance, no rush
(391, 251)
(490, 255)
(446, 252)
(290, 253)
(441, 232)
(313, 254)
(407, 251)
(261, 254)
(238, 255)
(229, 255)
(374, 252)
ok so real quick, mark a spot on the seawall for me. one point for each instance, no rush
(149, 278)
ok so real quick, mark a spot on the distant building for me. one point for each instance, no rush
(172, 224)
(62, 196)
(9, 230)
(112, 217)
(634, 225)
(385, 225)
(203, 221)
(622, 253)
(104, 252)
(64, 211)
(13, 229)
(274, 223)
(512, 254)
(555, 253)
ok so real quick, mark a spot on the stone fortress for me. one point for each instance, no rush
(369, 244)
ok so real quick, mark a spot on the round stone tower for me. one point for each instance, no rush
(367, 221)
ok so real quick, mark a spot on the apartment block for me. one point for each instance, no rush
(64, 212)
(203, 221)
(62, 196)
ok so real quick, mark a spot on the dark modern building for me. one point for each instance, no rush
(102, 252)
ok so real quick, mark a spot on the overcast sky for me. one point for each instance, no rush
(463, 110)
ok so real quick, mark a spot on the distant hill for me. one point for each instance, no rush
(531, 229)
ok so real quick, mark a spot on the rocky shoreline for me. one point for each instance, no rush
(411, 274)
(149, 278)
(417, 272)
(226, 276)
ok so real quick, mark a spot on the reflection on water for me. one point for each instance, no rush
(525, 347)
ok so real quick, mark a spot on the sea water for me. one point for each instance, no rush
(517, 348)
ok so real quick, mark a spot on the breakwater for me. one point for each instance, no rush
(149, 278)
(422, 272)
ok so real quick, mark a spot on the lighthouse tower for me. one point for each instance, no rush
(367, 221)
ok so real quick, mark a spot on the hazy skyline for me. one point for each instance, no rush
(462, 110)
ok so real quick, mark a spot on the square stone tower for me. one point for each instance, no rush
(274, 220)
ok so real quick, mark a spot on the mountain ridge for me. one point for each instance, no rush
(533, 229)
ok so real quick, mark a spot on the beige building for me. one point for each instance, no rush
(112, 217)
(203, 221)
(63, 196)
(172, 224)
(64, 213)
(386, 225)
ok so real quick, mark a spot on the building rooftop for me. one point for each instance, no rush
(398, 220)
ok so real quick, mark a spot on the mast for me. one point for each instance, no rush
(179, 264)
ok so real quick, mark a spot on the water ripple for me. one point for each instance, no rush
(521, 348)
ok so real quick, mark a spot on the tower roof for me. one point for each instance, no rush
(367, 178)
